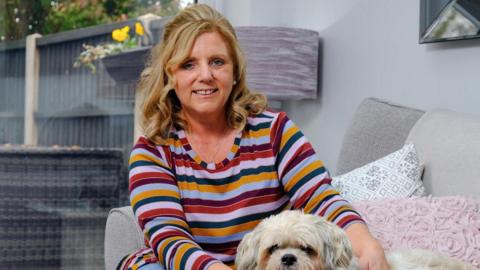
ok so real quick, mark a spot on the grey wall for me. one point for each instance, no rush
(370, 48)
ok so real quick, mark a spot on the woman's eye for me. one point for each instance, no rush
(187, 65)
(218, 62)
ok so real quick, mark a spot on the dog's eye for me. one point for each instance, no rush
(307, 249)
(272, 249)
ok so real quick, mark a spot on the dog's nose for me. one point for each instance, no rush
(289, 259)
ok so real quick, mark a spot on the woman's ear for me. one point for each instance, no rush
(247, 251)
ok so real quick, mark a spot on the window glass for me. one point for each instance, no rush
(66, 129)
(20, 18)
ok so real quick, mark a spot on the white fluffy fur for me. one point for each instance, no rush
(317, 244)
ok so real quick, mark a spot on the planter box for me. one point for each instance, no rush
(127, 66)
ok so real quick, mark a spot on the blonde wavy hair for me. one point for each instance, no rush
(161, 110)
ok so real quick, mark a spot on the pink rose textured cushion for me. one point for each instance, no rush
(449, 225)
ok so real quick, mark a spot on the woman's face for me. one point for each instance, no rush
(204, 80)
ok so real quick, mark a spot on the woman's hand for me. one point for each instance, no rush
(219, 266)
(372, 257)
(368, 250)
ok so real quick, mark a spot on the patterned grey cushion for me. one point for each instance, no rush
(396, 175)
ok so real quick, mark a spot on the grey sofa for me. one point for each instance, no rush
(448, 145)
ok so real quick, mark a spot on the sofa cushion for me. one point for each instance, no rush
(396, 175)
(123, 236)
(377, 129)
(448, 144)
(448, 224)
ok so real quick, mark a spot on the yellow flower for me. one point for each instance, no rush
(139, 29)
(121, 35)
(126, 29)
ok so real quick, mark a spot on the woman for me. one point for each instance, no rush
(213, 162)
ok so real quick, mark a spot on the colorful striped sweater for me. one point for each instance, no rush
(194, 213)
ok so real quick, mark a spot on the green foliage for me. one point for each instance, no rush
(159, 7)
(117, 9)
(18, 18)
(68, 16)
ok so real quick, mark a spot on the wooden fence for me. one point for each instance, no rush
(67, 105)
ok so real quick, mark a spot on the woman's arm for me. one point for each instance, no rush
(368, 250)
(307, 183)
(219, 266)
(304, 178)
(156, 202)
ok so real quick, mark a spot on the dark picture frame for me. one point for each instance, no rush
(448, 20)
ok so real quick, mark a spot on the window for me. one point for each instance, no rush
(65, 132)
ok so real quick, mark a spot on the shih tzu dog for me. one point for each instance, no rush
(293, 240)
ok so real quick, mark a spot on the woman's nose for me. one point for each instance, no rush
(205, 73)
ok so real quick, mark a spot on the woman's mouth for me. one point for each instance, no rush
(205, 92)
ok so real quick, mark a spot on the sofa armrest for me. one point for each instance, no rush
(448, 144)
(122, 236)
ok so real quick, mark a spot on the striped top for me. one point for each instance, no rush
(195, 213)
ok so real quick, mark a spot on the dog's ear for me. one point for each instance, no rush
(247, 250)
(338, 256)
(337, 248)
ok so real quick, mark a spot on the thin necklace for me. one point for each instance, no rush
(211, 158)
